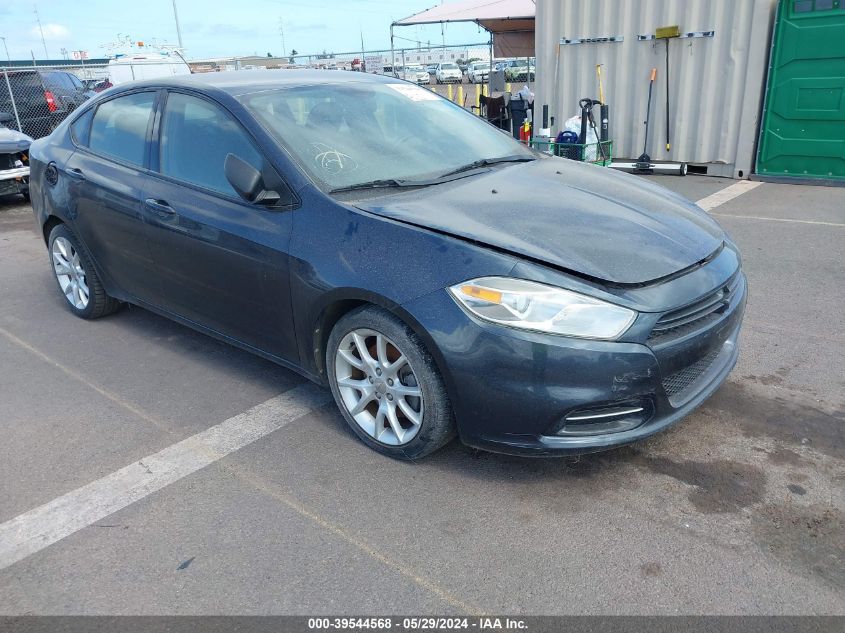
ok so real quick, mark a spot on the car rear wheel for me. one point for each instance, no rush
(387, 386)
(76, 277)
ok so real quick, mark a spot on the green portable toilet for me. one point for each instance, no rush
(803, 130)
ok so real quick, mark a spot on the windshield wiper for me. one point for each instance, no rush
(484, 162)
(385, 183)
(379, 184)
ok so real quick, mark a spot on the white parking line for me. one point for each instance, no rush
(744, 186)
(32, 531)
(758, 217)
(728, 193)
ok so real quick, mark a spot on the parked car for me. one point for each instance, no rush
(103, 85)
(410, 73)
(438, 284)
(431, 68)
(448, 72)
(14, 159)
(478, 72)
(520, 70)
(43, 98)
(416, 74)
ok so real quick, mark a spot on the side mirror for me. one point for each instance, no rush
(246, 180)
(5, 117)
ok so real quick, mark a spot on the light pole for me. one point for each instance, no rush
(41, 30)
(6, 47)
(178, 30)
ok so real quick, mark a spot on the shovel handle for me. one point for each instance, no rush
(653, 73)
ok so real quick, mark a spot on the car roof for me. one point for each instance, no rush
(239, 82)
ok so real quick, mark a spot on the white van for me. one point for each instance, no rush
(136, 66)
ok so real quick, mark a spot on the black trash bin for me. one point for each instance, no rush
(519, 112)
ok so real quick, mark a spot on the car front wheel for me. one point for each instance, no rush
(387, 386)
(76, 277)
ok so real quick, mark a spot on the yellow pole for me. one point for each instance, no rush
(461, 96)
(477, 97)
(507, 87)
(601, 86)
(449, 91)
(484, 90)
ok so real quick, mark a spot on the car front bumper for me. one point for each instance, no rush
(519, 392)
(15, 180)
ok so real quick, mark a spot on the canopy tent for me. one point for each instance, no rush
(510, 22)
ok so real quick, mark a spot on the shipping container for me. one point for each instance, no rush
(717, 74)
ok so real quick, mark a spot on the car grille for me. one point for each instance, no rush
(677, 383)
(7, 161)
(695, 316)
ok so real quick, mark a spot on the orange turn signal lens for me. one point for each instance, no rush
(492, 296)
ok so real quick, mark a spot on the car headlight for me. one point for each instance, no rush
(529, 305)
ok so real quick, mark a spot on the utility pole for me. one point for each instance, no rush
(282, 36)
(6, 47)
(41, 30)
(178, 30)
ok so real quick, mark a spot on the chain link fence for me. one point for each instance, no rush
(38, 98)
(463, 79)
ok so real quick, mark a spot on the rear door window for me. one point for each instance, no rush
(81, 128)
(196, 136)
(26, 88)
(58, 82)
(119, 127)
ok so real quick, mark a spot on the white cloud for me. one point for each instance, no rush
(52, 32)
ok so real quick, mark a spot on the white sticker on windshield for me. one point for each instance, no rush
(414, 93)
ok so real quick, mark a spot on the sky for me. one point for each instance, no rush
(216, 28)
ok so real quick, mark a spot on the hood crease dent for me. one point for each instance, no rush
(591, 221)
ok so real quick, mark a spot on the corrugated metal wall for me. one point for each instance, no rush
(716, 84)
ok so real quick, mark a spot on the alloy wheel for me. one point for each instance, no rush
(70, 273)
(378, 387)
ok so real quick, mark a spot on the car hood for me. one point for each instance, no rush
(12, 141)
(593, 221)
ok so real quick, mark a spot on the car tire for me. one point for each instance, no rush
(431, 423)
(68, 256)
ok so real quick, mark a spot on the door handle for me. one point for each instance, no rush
(159, 206)
(75, 173)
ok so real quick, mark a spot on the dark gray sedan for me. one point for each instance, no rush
(441, 278)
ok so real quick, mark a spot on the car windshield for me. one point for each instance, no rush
(344, 134)
(449, 66)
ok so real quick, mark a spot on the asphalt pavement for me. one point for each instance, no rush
(737, 510)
